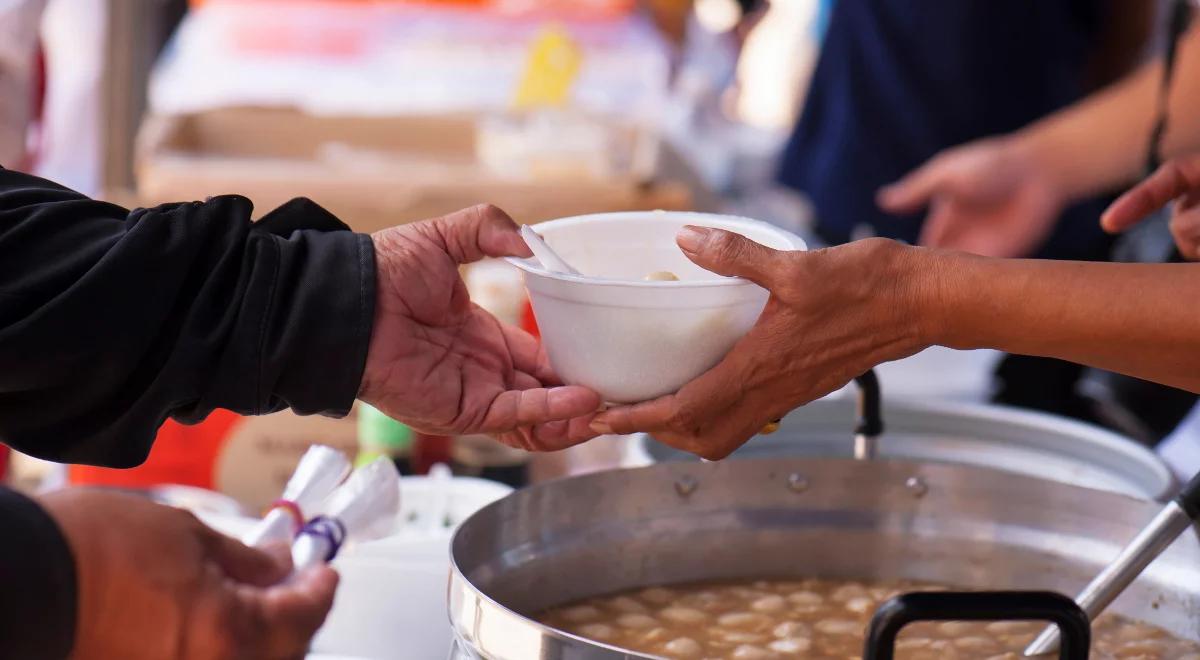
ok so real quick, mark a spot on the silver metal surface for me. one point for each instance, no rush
(1101, 591)
(1017, 441)
(600, 533)
(685, 485)
(916, 486)
(797, 482)
(866, 447)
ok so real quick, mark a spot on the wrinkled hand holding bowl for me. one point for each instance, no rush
(631, 339)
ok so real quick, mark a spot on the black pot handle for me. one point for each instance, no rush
(870, 417)
(904, 609)
(1189, 498)
(870, 414)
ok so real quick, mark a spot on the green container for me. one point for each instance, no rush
(380, 435)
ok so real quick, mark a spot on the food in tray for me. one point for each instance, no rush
(661, 276)
(811, 618)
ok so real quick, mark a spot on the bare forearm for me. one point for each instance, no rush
(1136, 319)
(1100, 143)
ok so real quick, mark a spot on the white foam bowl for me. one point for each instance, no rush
(628, 339)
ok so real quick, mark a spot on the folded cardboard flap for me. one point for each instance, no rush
(282, 133)
(373, 172)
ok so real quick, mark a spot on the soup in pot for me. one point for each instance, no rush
(811, 618)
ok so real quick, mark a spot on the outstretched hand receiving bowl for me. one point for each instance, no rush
(832, 315)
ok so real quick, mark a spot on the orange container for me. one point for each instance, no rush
(429, 450)
(181, 455)
(528, 320)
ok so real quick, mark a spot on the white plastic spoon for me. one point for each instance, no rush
(439, 498)
(549, 258)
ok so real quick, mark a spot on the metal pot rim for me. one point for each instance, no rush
(1110, 442)
(478, 612)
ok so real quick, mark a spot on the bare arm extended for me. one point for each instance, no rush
(1129, 318)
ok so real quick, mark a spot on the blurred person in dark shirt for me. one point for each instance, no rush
(899, 81)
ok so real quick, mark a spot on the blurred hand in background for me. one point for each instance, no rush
(1177, 180)
(991, 197)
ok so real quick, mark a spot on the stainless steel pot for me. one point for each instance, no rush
(1019, 441)
(682, 521)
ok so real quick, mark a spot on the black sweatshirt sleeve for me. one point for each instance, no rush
(111, 320)
(37, 583)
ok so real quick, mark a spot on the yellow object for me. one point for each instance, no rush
(550, 71)
(661, 276)
(770, 428)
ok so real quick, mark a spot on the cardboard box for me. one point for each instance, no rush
(260, 453)
(373, 172)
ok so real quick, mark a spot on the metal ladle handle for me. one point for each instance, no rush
(870, 417)
(1154, 538)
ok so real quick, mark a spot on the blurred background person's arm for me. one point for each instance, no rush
(898, 82)
(1127, 29)
(1001, 196)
